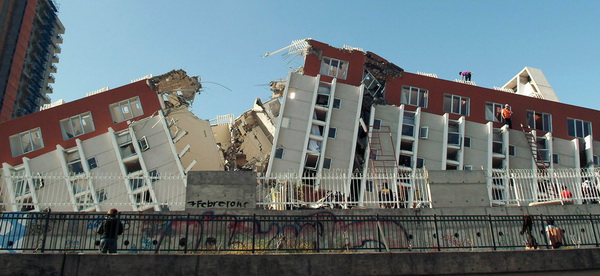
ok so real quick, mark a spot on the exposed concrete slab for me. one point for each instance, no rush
(458, 189)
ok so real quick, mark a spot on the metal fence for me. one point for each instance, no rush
(318, 232)
(339, 189)
(23, 191)
(537, 187)
(28, 191)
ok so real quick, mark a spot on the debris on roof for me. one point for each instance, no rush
(179, 88)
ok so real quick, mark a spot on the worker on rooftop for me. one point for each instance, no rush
(465, 75)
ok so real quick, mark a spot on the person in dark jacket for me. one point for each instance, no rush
(110, 230)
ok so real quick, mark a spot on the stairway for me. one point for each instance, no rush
(535, 151)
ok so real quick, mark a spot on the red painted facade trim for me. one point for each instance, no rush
(14, 78)
(49, 120)
(478, 96)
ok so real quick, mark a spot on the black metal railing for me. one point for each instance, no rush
(317, 232)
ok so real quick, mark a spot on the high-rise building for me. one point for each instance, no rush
(30, 34)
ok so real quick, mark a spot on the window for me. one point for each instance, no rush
(376, 124)
(468, 167)
(420, 163)
(144, 143)
(337, 103)
(125, 110)
(101, 195)
(414, 96)
(136, 183)
(92, 163)
(512, 151)
(77, 125)
(467, 142)
(332, 132)
(578, 128)
(540, 121)
(555, 158)
(327, 163)
(424, 132)
(596, 160)
(74, 161)
(493, 112)
(456, 104)
(153, 175)
(334, 68)
(279, 153)
(26, 141)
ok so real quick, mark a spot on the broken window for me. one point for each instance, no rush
(126, 109)
(493, 112)
(77, 125)
(334, 68)
(578, 128)
(539, 121)
(73, 161)
(414, 96)
(456, 104)
(26, 141)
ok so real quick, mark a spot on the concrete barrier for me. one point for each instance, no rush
(551, 262)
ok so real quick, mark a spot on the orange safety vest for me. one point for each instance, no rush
(506, 113)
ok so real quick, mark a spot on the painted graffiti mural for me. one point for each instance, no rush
(315, 232)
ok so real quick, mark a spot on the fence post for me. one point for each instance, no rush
(593, 229)
(45, 230)
(187, 228)
(253, 232)
(544, 231)
(378, 234)
(492, 231)
(437, 234)
(317, 227)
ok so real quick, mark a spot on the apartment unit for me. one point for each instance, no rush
(128, 147)
(351, 110)
(30, 35)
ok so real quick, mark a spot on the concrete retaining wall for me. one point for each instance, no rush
(552, 262)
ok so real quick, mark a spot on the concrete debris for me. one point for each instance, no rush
(278, 87)
(177, 86)
(251, 137)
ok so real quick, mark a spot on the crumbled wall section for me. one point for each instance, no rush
(252, 137)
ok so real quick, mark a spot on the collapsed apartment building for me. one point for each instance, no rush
(132, 144)
(352, 111)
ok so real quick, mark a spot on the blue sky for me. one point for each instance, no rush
(111, 42)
